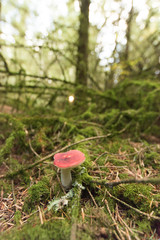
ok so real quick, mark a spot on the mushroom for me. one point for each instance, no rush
(66, 161)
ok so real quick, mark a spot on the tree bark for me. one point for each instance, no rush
(128, 33)
(82, 49)
(0, 20)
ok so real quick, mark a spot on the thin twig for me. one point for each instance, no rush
(29, 141)
(92, 198)
(117, 237)
(83, 214)
(100, 156)
(40, 215)
(14, 198)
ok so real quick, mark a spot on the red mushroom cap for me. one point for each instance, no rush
(70, 159)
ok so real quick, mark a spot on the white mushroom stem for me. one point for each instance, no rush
(66, 178)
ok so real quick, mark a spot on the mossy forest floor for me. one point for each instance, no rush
(119, 133)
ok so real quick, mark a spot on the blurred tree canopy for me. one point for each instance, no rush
(83, 45)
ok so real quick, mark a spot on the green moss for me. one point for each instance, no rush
(118, 145)
(152, 159)
(70, 129)
(41, 142)
(144, 225)
(134, 112)
(17, 217)
(131, 93)
(88, 131)
(125, 120)
(16, 137)
(101, 161)
(6, 149)
(6, 186)
(57, 229)
(87, 115)
(84, 235)
(152, 101)
(156, 197)
(74, 204)
(81, 175)
(147, 121)
(103, 100)
(110, 117)
(37, 122)
(36, 193)
(123, 176)
(138, 195)
(14, 164)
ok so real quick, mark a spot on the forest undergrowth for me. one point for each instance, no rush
(115, 193)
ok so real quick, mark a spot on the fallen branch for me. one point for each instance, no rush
(23, 169)
(113, 184)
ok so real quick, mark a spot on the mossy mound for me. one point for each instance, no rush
(55, 229)
(132, 93)
(36, 193)
(138, 195)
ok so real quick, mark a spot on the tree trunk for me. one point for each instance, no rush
(82, 50)
(0, 20)
(128, 33)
